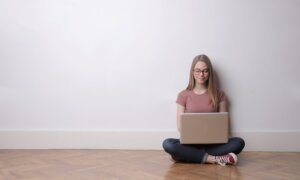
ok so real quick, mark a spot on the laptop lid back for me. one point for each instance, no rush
(204, 128)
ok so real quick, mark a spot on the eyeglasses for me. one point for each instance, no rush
(198, 71)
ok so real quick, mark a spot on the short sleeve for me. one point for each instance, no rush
(181, 98)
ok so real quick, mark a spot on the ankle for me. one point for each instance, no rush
(210, 159)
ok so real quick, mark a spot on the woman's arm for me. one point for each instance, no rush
(180, 110)
(223, 106)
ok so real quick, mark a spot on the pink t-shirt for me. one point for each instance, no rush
(195, 103)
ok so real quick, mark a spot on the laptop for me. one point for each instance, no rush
(204, 128)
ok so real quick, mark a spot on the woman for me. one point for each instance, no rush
(202, 95)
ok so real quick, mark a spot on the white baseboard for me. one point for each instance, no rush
(255, 141)
(83, 139)
(271, 141)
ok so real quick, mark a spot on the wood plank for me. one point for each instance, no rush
(140, 164)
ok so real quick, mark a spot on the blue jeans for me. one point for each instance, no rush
(197, 153)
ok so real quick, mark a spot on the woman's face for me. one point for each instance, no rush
(201, 72)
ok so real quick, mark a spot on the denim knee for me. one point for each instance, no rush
(169, 145)
(239, 144)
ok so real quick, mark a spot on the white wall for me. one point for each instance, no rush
(117, 66)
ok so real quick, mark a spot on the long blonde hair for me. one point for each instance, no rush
(210, 83)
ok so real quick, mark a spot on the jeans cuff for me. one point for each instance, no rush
(204, 158)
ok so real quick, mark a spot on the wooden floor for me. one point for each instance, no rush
(129, 164)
